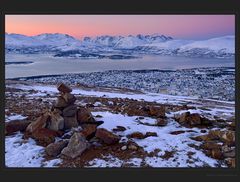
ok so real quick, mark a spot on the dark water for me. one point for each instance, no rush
(48, 65)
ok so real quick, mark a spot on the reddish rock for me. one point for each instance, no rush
(44, 136)
(89, 131)
(137, 135)
(149, 134)
(228, 137)
(106, 136)
(216, 154)
(16, 125)
(194, 119)
(54, 149)
(210, 145)
(183, 117)
(64, 88)
(161, 122)
(41, 122)
(119, 128)
(76, 146)
(157, 111)
(177, 132)
(189, 119)
(84, 115)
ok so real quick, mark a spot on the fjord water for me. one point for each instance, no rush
(43, 64)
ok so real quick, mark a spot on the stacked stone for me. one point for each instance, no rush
(64, 109)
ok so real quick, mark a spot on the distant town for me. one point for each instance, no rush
(207, 83)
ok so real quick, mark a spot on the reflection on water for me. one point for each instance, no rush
(47, 65)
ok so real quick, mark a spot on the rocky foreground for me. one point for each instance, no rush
(47, 126)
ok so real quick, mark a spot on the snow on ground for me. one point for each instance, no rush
(107, 161)
(25, 153)
(14, 117)
(164, 142)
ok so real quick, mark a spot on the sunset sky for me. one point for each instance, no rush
(79, 26)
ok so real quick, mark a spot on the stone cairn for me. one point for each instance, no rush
(74, 125)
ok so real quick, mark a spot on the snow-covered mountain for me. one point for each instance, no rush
(133, 44)
(220, 46)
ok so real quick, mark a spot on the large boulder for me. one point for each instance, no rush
(76, 146)
(54, 149)
(44, 136)
(70, 111)
(106, 136)
(57, 122)
(64, 88)
(70, 122)
(16, 125)
(41, 122)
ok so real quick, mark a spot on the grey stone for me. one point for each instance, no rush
(76, 146)
(70, 111)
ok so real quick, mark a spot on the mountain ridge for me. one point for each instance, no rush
(223, 46)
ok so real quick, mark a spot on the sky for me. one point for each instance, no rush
(177, 26)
